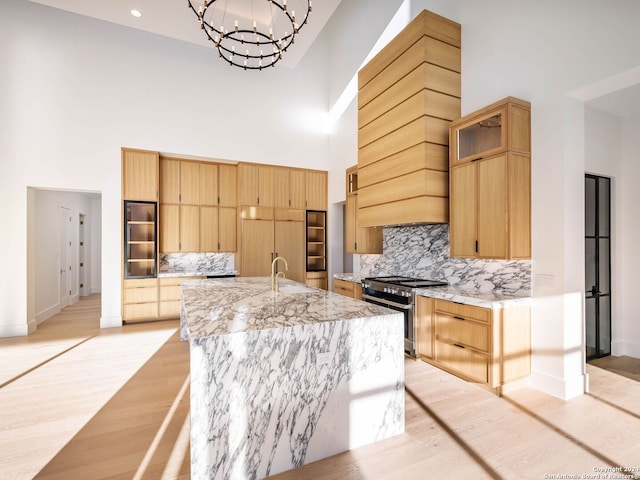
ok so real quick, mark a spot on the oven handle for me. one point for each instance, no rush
(385, 302)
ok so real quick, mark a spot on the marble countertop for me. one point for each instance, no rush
(170, 273)
(236, 305)
(478, 298)
(349, 277)
(490, 299)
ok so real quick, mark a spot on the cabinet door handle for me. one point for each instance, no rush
(476, 159)
(458, 345)
(459, 318)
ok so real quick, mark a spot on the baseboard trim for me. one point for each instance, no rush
(47, 313)
(111, 322)
(629, 349)
(559, 387)
(21, 330)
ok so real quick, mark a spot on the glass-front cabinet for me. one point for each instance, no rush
(480, 137)
(140, 239)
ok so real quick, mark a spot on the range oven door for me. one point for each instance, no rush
(407, 311)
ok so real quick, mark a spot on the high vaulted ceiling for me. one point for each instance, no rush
(174, 19)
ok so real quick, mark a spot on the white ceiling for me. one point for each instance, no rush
(624, 103)
(174, 19)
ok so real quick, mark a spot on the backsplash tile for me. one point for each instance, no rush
(197, 262)
(423, 251)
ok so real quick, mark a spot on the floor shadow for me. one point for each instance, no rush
(628, 367)
(142, 431)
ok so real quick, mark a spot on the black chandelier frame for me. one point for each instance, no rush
(254, 42)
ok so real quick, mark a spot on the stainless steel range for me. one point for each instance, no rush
(398, 293)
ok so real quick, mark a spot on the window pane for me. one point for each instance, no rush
(589, 264)
(605, 326)
(603, 206)
(590, 206)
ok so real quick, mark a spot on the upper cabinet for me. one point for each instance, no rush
(289, 185)
(490, 193)
(256, 184)
(407, 95)
(495, 129)
(358, 239)
(282, 187)
(316, 190)
(139, 175)
(197, 206)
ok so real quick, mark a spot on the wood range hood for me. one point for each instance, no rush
(407, 96)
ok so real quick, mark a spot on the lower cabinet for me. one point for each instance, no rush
(347, 288)
(140, 300)
(316, 279)
(169, 296)
(152, 298)
(483, 345)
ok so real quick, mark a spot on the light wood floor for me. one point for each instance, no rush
(77, 402)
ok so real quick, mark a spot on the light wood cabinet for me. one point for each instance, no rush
(289, 188)
(257, 185)
(316, 279)
(169, 296)
(347, 288)
(490, 193)
(139, 175)
(289, 244)
(488, 346)
(257, 247)
(316, 190)
(425, 327)
(358, 239)
(499, 127)
(407, 95)
(140, 300)
(193, 195)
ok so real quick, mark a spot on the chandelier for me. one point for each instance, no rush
(251, 34)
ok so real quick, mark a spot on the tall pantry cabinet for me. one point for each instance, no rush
(490, 175)
(140, 231)
(274, 201)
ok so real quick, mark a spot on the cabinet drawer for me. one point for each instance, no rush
(344, 287)
(466, 362)
(141, 311)
(460, 310)
(169, 309)
(140, 283)
(140, 295)
(170, 292)
(462, 331)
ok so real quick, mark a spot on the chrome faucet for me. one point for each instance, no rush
(274, 277)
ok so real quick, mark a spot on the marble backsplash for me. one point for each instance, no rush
(423, 251)
(197, 262)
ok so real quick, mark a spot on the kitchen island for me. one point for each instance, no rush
(280, 379)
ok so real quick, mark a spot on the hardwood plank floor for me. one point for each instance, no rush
(78, 402)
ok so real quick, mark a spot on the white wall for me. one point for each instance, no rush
(75, 90)
(626, 329)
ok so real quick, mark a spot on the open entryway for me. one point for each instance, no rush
(597, 266)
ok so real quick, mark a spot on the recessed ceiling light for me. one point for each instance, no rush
(136, 13)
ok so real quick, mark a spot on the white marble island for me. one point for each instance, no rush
(283, 379)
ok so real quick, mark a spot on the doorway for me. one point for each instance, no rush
(597, 266)
(65, 256)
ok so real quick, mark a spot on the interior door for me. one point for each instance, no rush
(597, 266)
(290, 244)
(64, 255)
